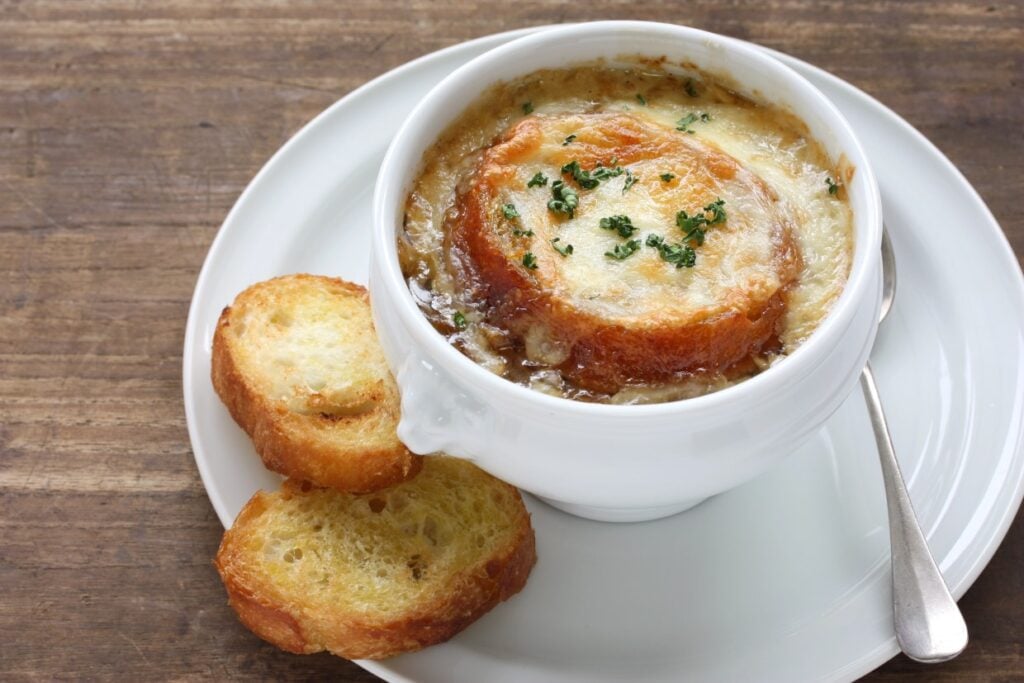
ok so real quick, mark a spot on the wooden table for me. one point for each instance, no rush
(127, 130)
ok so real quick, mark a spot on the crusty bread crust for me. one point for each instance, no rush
(263, 618)
(300, 624)
(656, 344)
(351, 452)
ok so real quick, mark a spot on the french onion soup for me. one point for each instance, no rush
(626, 235)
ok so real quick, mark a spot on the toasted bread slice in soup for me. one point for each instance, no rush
(608, 321)
(373, 575)
(297, 362)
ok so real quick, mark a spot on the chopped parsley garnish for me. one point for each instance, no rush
(717, 211)
(667, 177)
(588, 180)
(604, 173)
(641, 99)
(583, 178)
(682, 255)
(459, 320)
(538, 180)
(529, 260)
(694, 225)
(564, 199)
(563, 250)
(691, 90)
(527, 107)
(833, 187)
(568, 139)
(620, 224)
(684, 123)
(510, 212)
(630, 181)
(623, 251)
(522, 233)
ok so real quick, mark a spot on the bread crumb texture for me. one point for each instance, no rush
(372, 575)
(301, 341)
(297, 362)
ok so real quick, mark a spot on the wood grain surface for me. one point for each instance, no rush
(128, 129)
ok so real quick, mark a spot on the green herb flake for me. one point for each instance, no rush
(538, 180)
(680, 255)
(667, 177)
(623, 251)
(563, 199)
(604, 172)
(459, 320)
(527, 107)
(582, 178)
(568, 140)
(717, 211)
(695, 235)
(641, 99)
(522, 233)
(683, 256)
(620, 224)
(690, 88)
(833, 187)
(510, 212)
(564, 250)
(529, 260)
(588, 180)
(693, 226)
(684, 123)
(630, 181)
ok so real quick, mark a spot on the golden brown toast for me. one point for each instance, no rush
(377, 574)
(297, 362)
(606, 321)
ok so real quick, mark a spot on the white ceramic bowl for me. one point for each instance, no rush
(612, 462)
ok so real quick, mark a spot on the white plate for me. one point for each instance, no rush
(784, 579)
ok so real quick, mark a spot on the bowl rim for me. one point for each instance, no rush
(389, 193)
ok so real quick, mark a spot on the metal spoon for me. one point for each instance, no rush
(929, 626)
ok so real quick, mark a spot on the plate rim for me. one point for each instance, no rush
(853, 669)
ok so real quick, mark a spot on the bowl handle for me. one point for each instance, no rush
(439, 416)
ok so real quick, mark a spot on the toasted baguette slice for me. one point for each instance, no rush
(297, 362)
(377, 574)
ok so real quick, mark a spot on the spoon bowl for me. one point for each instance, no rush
(888, 275)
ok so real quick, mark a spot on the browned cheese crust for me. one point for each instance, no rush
(611, 349)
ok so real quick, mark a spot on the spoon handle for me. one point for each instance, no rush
(929, 626)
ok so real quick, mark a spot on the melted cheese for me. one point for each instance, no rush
(758, 159)
(737, 266)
